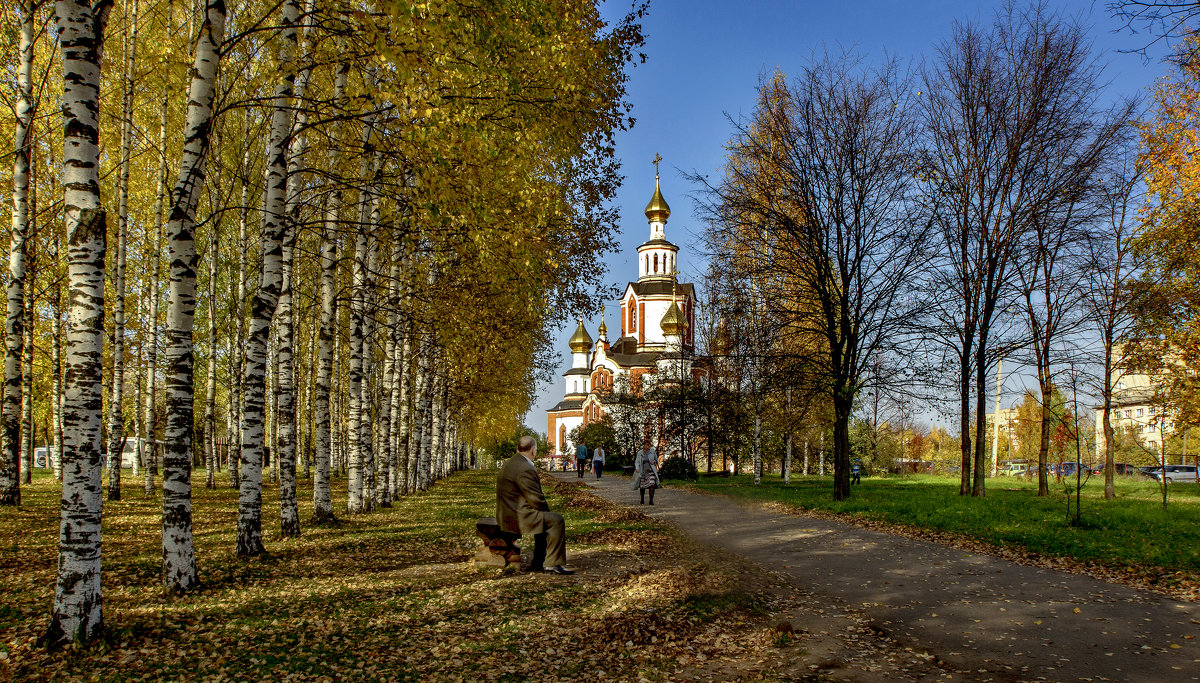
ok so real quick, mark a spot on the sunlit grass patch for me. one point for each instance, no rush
(1132, 532)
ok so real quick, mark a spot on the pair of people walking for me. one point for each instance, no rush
(585, 459)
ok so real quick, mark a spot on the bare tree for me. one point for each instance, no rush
(819, 185)
(1012, 139)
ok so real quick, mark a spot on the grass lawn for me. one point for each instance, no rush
(1132, 532)
(390, 595)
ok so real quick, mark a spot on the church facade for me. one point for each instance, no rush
(656, 341)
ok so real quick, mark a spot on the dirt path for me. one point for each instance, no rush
(980, 615)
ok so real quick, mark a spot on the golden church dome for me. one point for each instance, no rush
(657, 209)
(673, 323)
(581, 341)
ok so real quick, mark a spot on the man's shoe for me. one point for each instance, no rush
(559, 569)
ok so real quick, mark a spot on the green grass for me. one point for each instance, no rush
(1131, 531)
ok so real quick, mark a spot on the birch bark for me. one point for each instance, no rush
(30, 306)
(322, 438)
(285, 415)
(249, 536)
(239, 351)
(179, 556)
(210, 389)
(116, 422)
(153, 259)
(77, 613)
(10, 412)
(56, 401)
(359, 449)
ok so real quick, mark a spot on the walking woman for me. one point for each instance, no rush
(645, 473)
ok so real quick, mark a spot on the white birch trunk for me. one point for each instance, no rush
(366, 425)
(285, 454)
(10, 426)
(322, 438)
(821, 455)
(758, 459)
(356, 418)
(210, 389)
(403, 477)
(77, 614)
(239, 351)
(56, 401)
(27, 428)
(139, 425)
(153, 259)
(116, 420)
(179, 555)
(249, 537)
(354, 379)
(787, 456)
(387, 455)
(336, 399)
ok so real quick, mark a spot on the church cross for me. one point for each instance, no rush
(657, 158)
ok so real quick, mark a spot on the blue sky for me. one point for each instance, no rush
(704, 58)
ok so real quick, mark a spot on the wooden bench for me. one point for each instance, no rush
(499, 546)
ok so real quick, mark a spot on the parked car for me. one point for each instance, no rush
(1016, 469)
(1068, 469)
(1123, 468)
(1177, 473)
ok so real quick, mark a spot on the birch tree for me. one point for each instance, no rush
(249, 537)
(116, 422)
(77, 614)
(10, 411)
(179, 555)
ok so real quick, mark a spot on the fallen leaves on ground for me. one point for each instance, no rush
(394, 596)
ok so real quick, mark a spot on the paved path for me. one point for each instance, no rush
(976, 613)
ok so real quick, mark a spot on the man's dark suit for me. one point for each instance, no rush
(521, 509)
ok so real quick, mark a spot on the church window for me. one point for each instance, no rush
(656, 263)
(562, 438)
(577, 386)
(633, 315)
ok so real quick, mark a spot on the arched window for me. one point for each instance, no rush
(562, 438)
(576, 386)
(656, 263)
(632, 315)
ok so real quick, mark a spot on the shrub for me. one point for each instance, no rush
(678, 468)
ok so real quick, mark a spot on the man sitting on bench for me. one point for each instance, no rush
(521, 508)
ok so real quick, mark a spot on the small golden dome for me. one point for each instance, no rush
(581, 341)
(603, 328)
(657, 209)
(673, 323)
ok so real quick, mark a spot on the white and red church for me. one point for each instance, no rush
(656, 344)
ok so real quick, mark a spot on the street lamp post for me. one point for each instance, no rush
(996, 417)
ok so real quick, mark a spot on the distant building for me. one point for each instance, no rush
(1136, 411)
(1008, 427)
(657, 342)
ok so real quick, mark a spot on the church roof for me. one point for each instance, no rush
(576, 371)
(643, 359)
(659, 243)
(570, 403)
(662, 287)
